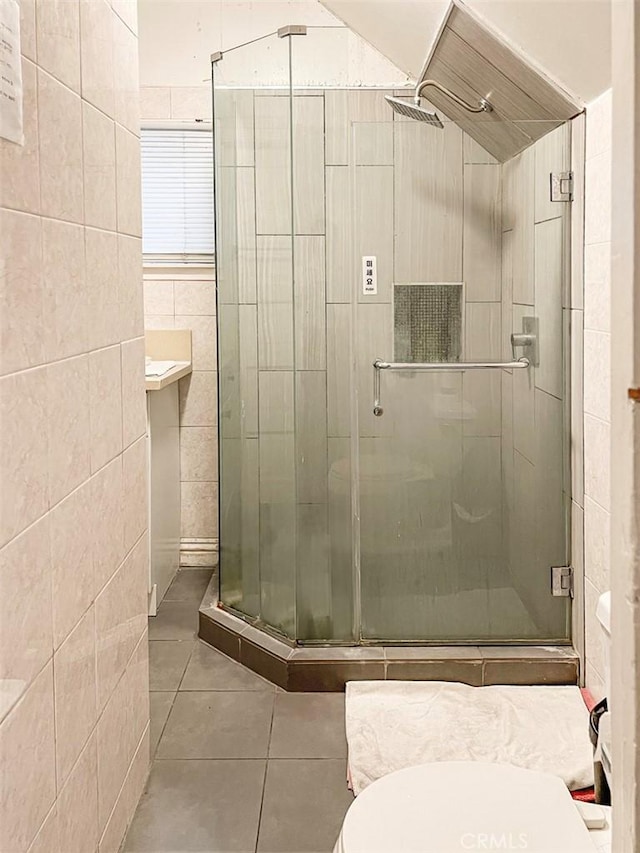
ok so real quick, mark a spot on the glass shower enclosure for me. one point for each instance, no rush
(346, 235)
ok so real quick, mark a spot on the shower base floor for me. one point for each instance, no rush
(328, 668)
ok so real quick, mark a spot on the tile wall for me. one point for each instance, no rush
(73, 510)
(597, 371)
(187, 301)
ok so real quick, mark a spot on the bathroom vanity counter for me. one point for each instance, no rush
(157, 383)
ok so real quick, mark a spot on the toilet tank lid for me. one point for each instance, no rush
(603, 611)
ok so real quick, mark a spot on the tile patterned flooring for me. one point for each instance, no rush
(238, 765)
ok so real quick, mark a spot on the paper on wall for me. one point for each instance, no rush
(10, 72)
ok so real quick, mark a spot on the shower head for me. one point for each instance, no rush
(410, 107)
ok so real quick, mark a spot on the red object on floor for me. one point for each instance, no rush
(586, 795)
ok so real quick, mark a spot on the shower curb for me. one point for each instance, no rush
(328, 668)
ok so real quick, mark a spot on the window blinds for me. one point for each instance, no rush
(177, 195)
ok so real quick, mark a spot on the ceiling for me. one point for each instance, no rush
(570, 40)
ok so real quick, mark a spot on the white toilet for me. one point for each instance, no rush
(450, 807)
(453, 806)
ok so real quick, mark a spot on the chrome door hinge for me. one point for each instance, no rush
(561, 186)
(562, 581)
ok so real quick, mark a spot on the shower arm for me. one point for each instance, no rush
(483, 105)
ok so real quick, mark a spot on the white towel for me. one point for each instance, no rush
(397, 724)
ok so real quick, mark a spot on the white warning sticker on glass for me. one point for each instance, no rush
(369, 275)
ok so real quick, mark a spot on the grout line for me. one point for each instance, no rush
(164, 726)
(266, 768)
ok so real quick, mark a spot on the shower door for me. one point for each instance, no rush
(462, 482)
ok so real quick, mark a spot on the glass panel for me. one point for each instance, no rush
(443, 516)
(323, 106)
(252, 127)
(463, 487)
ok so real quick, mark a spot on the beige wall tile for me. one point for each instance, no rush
(194, 297)
(74, 670)
(60, 128)
(134, 409)
(121, 618)
(21, 292)
(127, 801)
(71, 561)
(597, 287)
(105, 404)
(135, 485)
(155, 102)
(65, 295)
(597, 541)
(597, 374)
(127, 95)
(26, 633)
(198, 399)
(28, 28)
(191, 102)
(99, 153)
(58, 35)
(56, 312)
(27, 748)
(101, 249)
(130, 287)
(96, 28)
(127, 11)
(47, 840)
(599, 122)
(120, 727)
(593, 630)
(198, 454)
(199, 517)
(108, 521)
(23, 451)
(19, 164)
(78, 804)
(128, 182)
(594, 682)
(139, 768)
(203, 340)
(158, 297)
(596, 462)
(597, 222)
(159, 323)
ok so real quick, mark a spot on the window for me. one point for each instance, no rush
(177, 196)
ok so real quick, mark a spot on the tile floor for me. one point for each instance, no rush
(238, 766)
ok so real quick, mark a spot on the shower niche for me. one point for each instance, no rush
(438, 522)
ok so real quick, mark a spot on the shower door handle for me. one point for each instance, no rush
(437, 367)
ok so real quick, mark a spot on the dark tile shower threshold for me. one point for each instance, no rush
(328, 668)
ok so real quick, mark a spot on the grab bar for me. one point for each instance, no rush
(436, 366)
